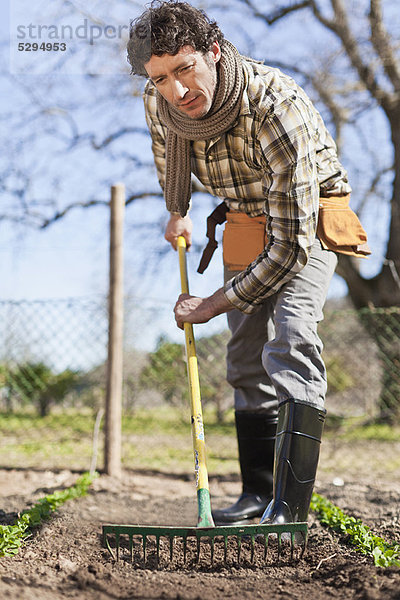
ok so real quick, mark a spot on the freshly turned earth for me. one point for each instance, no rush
(65, 558)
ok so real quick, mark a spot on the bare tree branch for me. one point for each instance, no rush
(141, 195)
(114, 136)
(278, 14)
(340, 26)
(374, 186)
(61, 213)
(380, 41)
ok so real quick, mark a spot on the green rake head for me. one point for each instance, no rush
(147, 539)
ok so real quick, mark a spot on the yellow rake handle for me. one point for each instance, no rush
(199, 446)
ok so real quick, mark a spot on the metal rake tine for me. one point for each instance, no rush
(239, 547)
(305, 545)
(171, 548)
(292, 541)
(107, 544)
(279, 545)
(158, 548)
(198, 550)
(252, 548)
(144, 547)
(131, 547)
(117, 546)
(266, 540)
(212, 550)
(225, 548)
(184, 548)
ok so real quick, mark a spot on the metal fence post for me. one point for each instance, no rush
(112, 459)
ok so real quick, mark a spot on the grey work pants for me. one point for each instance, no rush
(275, 353)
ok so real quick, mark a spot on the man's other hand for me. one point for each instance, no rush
(192, 309)
(177, 226)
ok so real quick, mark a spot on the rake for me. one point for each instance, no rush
(145, 536)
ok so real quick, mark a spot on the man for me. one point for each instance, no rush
(253, 138)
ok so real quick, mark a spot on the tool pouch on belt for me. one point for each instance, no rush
(244, 238)
(339, 228)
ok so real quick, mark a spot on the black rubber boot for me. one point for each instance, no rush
(298, 440)
(256, 441)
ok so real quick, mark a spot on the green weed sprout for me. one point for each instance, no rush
(358, 534)
(12, 536)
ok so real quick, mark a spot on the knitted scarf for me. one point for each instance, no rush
(182, 129)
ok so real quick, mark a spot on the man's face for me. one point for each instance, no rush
(187, 80)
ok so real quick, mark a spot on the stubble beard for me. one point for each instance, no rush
(213, 72)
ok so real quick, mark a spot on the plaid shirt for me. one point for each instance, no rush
(277, 160)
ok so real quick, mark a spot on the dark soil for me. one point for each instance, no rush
(66, 558)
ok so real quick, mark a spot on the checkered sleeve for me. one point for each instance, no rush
(291, 191)
(157, 131)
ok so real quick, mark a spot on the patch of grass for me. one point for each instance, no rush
(338, 373)
(71, 420)
(171, 450)
(173, 420)
(156, 438)
(49, 450)
(57, 440)
(162, 454)
(155, 421)
(152, 438)
(353, 430)
(378, 431)
(12, 536)
(356, 533)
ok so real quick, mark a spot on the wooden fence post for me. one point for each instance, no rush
(112, 459)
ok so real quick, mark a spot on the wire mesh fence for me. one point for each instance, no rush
(50, 349)
(53, 358)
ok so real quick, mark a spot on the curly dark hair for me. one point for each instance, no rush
(164, 28)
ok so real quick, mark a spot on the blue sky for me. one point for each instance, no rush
(69, 258)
